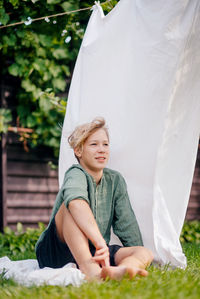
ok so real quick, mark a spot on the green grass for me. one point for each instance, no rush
(161, 283)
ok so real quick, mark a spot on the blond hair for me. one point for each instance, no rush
(82, 132)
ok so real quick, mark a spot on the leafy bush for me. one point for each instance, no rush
(20, 241)
(41, 56)
(5, 118)
(191, 232)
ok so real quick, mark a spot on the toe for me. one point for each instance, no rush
(143, 272)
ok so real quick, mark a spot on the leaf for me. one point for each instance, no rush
(22, 248)
(14, 69)
(59, 83)
(20, 33)
(60, 53)
(45, 40)
(41, 226)
(53, 1)
(21, 60)
(31, 121)
(41, 52)
(66, 69)
(54, 70)
(4, 17)
(45, 104)
(7, 230)
(15, 3)
(47, 76)
(10, 40)
(53, 142)
(12, 246)
(6, 113)
(28, 86)
(67, 6)
(19, 227)
(55, 131)
(5, 119)
(48, 90)
(39, 65)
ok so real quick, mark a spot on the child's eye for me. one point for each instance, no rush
(106, 144)
(93, 143)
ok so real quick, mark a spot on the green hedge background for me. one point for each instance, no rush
(21, 241)
(41, 56)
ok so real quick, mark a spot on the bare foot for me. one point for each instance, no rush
(92, 270)
(117, 273)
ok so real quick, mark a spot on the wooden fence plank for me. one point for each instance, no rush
(30, 204)
(3, 182)
(30, 219)
(37, 169)
(32, 184)
(193, 210)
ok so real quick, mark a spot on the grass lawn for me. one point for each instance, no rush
(161, 283)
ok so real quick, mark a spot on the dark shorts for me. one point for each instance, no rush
(54, 253)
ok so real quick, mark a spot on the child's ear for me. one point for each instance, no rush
(78, 152)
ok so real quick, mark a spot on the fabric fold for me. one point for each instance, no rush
(28, 273)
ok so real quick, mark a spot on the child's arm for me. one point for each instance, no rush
(84, 218)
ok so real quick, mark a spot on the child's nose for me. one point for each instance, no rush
(101, 148)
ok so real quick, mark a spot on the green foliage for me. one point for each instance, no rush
(5, 119)
(42, 55)
(20, 241)
(191, 232)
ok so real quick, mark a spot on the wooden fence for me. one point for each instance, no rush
(193, 210)
(30, 187)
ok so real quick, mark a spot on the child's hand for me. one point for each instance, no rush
(102, 256)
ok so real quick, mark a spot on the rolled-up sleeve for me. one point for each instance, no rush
(75, 186)
(125, 224)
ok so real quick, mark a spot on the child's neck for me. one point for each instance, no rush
(97, 175)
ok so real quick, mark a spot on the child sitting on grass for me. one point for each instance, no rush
(91, 200)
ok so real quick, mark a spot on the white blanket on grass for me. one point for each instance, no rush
(27, 273)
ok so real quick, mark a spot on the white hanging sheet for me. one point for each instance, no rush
(139, 67)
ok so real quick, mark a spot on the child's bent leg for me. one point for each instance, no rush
(69, 232)
(131, 261)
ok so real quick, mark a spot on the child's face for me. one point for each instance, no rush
(95, 153)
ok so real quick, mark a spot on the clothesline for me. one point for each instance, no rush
(29, 21)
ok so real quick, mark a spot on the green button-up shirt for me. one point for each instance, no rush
(108, 201)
